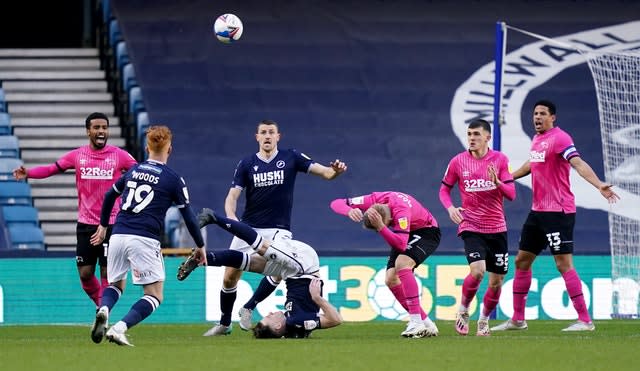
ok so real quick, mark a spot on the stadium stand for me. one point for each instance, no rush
(5, 124)
(26, 237)
(15, 193)
(6, 168)
(368, 82)
(3, 102)
(20, 215)
(9, 146)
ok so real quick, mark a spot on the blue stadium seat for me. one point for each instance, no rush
(9, 146)
(171, 223)
(15, 193)
(5, 123)
(26, 237)
(128, 79)
(142, 123)
(115, 34)
(3, 102)
(6, 168)
(136, 103)
(105, 7)
(122, 56)
(20, 215)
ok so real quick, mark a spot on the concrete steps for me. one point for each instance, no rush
(49, 93)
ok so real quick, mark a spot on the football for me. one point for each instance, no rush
(228, 28)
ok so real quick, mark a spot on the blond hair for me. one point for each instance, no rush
(383, 210)
(158, 138)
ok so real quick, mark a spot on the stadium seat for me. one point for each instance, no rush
(105, 7)
(20, 215)
(115, 34)
(15, 193)
(128, 79)
(26, 237)
(6, 168)
(142, 123)
(122, 55)
(3, 102)
(9, 146)
(171, 223)
(136, 103)
(5, 124)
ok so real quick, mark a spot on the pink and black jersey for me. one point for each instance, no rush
(550, 168)
(482, 200)
(96, 172)
(407, 214)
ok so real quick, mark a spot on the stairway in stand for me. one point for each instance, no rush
(50, 92)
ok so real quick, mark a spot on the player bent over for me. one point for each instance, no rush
(413, 234)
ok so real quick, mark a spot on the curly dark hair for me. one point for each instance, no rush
(93, 116)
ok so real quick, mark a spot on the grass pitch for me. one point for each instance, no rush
(353, 346)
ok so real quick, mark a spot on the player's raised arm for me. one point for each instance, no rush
(330, 172)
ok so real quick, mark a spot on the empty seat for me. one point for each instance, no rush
(115, 35)
(142, 122)
(5, 123)
(136, 103)
(26, 237)
(122, 56)
(20, 215)
(6, 168)
(171, 223)
(9, 146)
(3, 102)
(128, 79)
(15, 193)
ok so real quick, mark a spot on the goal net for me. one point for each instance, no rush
(616, 76)
(617, 81)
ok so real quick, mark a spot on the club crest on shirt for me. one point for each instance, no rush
(403, 223)
(280, 164)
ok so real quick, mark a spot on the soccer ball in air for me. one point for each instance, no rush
(382, 300)
(228, 28)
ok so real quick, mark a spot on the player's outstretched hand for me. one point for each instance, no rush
(607, 192)
(338, 166)
(20, 173)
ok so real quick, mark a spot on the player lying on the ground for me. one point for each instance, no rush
(294, 261)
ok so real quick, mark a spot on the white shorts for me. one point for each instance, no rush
(141, 255)
(272, 234)
(291, 259)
